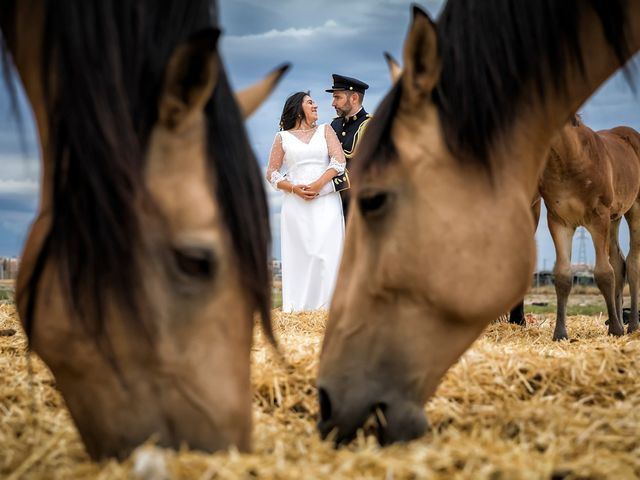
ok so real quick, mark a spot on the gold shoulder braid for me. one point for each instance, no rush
(341, 181)
(356, 137)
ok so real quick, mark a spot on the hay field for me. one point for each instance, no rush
(517, 405)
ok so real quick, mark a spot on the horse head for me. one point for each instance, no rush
(148, 260)
(440, 240)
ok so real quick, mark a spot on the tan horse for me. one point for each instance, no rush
(593, 179)
(516, 315)
(436, 246)
(148, 257)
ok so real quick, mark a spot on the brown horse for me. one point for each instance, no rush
(436, 246)
(148, 257)
(593, 179)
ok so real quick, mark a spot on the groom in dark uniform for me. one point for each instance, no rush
(352, 118)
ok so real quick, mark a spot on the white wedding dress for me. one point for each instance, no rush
(312, 231)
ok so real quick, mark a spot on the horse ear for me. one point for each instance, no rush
(190, 77)
(395, 70)
(421, 59)
(252, 97)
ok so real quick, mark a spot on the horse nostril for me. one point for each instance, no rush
(325, 405)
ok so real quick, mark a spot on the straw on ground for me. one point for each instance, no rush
(517, 405)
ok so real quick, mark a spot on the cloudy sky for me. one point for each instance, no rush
(318, 39)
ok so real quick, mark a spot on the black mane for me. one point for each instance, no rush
(491, 52)
(241, 196)
(109, 57)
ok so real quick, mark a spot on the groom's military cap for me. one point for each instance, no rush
(340, 82)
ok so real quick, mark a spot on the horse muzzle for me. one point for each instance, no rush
(390, 418)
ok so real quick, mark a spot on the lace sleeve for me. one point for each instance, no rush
(336, 154)
(274, 176)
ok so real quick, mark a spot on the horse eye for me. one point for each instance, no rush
(194, 262)
(373, 203)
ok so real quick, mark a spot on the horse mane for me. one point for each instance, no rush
(109, 58)
(240, 193)
(491, 53)
(7, 36)
(576, 120)
(377, 149)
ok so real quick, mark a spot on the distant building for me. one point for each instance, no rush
(542, 278)
(582, 275)
(9, 268)
(276, 269)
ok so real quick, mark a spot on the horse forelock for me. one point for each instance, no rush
(491, 54)
(378, 148)
(109, 59)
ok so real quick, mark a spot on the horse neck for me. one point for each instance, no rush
(27, 53)
(566, 148)
(540, 120)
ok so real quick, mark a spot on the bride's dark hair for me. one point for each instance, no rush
(292, 110)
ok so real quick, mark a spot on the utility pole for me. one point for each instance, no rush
(582, 246)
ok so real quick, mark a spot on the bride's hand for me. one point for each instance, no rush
(314, 187)
(303, 192)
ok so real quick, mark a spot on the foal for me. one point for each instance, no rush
(593, 179)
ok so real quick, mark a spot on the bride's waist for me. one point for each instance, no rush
(306, 173)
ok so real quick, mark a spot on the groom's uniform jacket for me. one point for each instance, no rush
(349, 129)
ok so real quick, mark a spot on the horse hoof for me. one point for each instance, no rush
(560, 336)
(626, 313)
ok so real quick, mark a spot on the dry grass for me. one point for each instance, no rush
(516, 406)
(575, 290)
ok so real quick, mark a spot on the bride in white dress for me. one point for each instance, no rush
(304, 158)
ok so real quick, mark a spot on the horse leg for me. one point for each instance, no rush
(605, 277)
(516, 315)
(562, 240)
(633, 263)
(616, 259)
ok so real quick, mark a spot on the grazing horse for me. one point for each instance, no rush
(436, 246)
(147, 260)
(516, 315)
(593, 179)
